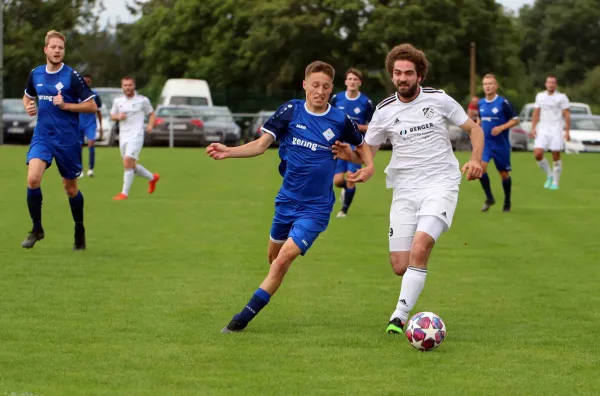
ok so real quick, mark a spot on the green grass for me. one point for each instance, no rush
(139, 313)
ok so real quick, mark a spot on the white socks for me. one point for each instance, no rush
(143, 172)
(545, 167)
(556, 172)
(412, 285)
(127, 181)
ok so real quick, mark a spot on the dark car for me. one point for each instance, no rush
(18, 125)
(219, 125)
(188, 127)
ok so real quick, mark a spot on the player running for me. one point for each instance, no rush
(130, 110)
(61, 94)
(497, 116)
(306, 129)
(87, 125)
(551, 117)
(423, 172)
(360, 109)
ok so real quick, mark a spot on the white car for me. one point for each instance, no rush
(109, 127)
(585, 134)
(519, 134)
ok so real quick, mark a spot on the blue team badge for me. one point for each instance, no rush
(329, 134)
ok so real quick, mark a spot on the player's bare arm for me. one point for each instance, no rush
(534, 121)
(89, 106)
(362, 128)
(501, 128)
(29, 104)
(118, 116)
(151, 121)
(344, 152)
(363, 174)
(567, 115)
(99, 114)
(255, 148)
(473, 167)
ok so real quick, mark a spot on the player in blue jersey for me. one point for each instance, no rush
(496, 116)
(87, 125)
(360, 109)
(61, 94)
(307, 130)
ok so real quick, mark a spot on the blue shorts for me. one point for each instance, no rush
(302, 227)
(68, 157)
(343, 166)
(500, 155)
(89, 132)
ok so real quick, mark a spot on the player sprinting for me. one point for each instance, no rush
(87, 125)
(130, 110)
(497, 116)
(423, 172)
(551, 117)
(306, 129)
(360, 109)
(61, 94)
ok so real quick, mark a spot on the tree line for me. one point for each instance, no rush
(253, 53)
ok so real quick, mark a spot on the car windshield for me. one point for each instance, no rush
(175, 112)
(188, 101)
(578, 110)
(108, 98)
(585, 124)
(216, 115)
(13, 107)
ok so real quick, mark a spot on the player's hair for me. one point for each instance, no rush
(319, 67)
(128, 78)
(490, 75)
(551, 76)
(87, 76)
(409, 53)
(354, 71)
(54, 34)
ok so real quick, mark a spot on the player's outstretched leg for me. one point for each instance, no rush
(556, 170)
(507, 187)
(543, 164)
(261, 297)
(487, 188)
(34, 201)
(92, 159)
(76, 203)
(153, 178)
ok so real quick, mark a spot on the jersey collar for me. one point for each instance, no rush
(347, 98)
(54, 72)
(317, 114)
(490, 101)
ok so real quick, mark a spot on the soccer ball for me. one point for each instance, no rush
(425, 331)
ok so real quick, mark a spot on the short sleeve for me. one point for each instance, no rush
(369, 111)
(350, 134)
(564, 102)
(278, 124)
(80, 89)
(98, 101)
(147, 106)
(376, 134)
(538, 101)
(509, 111)
(453, 111)
(115, 107)
(30, 90)
(333, 100)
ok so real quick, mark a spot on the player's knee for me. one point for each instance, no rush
(71, 189)
(504, 175)
(338, 180)
(399, 262)
(279, 267)
(538, 155)
(34, 181)
(421, 249)
(272, 256)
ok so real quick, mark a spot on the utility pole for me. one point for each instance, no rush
(473, 71)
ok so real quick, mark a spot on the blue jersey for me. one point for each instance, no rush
(494, 113)
(307, 163)
(88, 120)
(359, 109)
(53, 123)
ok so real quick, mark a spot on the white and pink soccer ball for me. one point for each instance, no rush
(425, 331)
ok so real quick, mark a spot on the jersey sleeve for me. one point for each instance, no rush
(98, 101)
(147, 106)
(509, 111)
(278, 124)
(80, 89)
(376, 134)
(333, 100)
(30, 90)
(115, 107)
(453, 111)
(564, 102)
(350, 134)
(370, 109)
(538, 101)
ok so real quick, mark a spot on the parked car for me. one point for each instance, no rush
(18, 125)
(257, 123)
(519, 134)
(110, 128)
(585, 134)
(188, 127)
(186, 91)
(219, 125)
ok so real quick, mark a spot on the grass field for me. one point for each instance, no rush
(139, 312)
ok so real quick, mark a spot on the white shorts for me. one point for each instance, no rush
(428, 210)
(551, 140)
(131, 148)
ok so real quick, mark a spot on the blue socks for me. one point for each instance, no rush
(76, 203)
(34, 203)
(507, 185)
(92, 157)
(259, 300)
(348, 197)
(485, 183)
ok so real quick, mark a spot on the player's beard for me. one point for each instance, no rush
(407, 90)
(54, 62)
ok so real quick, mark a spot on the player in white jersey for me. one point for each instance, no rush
(130, 110)
(423, 171)
(551, 118)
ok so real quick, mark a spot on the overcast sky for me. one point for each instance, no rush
(116, 10)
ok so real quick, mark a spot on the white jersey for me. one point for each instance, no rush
(422, 153)
(551, 112)
(135, 108)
